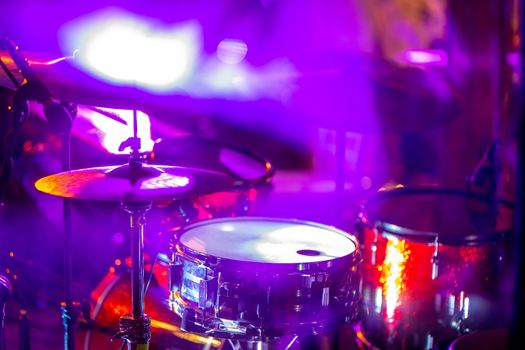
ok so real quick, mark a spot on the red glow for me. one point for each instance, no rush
(403, 271)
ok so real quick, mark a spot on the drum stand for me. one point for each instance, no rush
(135, 329)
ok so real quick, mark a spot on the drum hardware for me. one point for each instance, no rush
(110, 295)
(135, 329)
(135, 185)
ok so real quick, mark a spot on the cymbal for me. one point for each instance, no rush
(134, 183)
(339, 90)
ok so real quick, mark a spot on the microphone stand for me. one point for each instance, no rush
(14, 111)
(60, 121)
(5, 292)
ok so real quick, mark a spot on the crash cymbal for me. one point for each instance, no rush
(134, 183)
(340, 90)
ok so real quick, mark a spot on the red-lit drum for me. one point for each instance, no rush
(432, 264)
(112, 299)
(258, 279)
(252, 173)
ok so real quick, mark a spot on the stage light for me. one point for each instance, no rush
(426, 57)
(128, 49)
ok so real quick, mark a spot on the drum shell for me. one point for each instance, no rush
(459, 268)
(414, 289)
(254, 300)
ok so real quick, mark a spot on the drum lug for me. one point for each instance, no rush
(208, 291)
(228, 309)
(175, 276)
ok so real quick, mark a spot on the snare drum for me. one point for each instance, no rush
(257, 279)
(432, 262)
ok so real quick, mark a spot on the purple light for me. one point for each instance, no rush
(426, 57)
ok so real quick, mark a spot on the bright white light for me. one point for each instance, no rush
(129, 49)
(426, 57)
(227, 228)
(231, 51)
(112, 133)
(165, 181)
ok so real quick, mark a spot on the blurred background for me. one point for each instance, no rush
(315, 105)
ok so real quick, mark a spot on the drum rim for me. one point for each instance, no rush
(240, 182)
(354, 255)
(428, 236)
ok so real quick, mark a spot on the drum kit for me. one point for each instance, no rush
(415, 273)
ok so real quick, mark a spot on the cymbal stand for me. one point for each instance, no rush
(135, 329)
(63, 115)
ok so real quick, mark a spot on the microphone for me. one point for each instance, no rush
(33, 89)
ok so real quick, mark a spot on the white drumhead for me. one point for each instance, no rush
(268, 240)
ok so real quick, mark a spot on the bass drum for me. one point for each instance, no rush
(112, 298)
(433, 265)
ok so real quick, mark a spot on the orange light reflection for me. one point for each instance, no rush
(194, 338)
(392, 271)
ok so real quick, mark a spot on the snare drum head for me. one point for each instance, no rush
(453, 216)
(268, 240)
